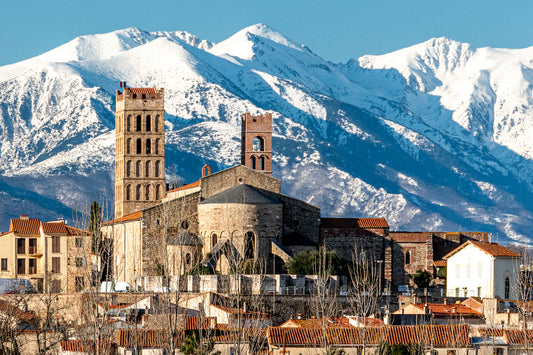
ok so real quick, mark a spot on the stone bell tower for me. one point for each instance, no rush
(140, 149)
(256, 142)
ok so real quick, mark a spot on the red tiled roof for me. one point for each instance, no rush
(187, 186)
(438, 335)
(518, 337)
(129, 217)
(492, 249)
(54, 227)
(146, 338)
(441, 309)
(24, 226)
(491, 332)
(353, 223)
(201, 323)
(77, 231)
(440, 263)
(143, 90)
(86, 346)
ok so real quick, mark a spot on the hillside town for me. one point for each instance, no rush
(230, 264)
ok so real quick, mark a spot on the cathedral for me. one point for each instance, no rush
(237, 218)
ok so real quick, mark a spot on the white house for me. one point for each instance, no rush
(486, 270)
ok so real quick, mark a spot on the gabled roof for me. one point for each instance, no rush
(492, 249)
(518, 337)
(353, 223)
(54, 228)
(241, 194)
(25, 226)
(129, 217)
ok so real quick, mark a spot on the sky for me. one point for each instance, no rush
(337, 30)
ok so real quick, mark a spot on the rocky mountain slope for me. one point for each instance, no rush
(437, 136)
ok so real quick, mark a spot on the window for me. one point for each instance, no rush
(147, 193)
(138, 123)
(21, 246)
(148, 146)
(56, 244)
(128, 124)
(138, 168)
(138, 147)
(79, 283)
(479, 291)
(258, 144)
(458, 271)
(4, 264)
(32, 246)
(143, 96)
(457, 292)
(407, 257)
(148, 124)
(21, 266)
(156, 147)
(138, 192)
(80, 262)
(156, 123)
(214, 240)
(156, 173)
(56, 265)
(128, 192)
(55, 286)
(128, 146)
(188, 259)
(128, 168)
(507, 287)
(252, 162)
(157, 192)
(249, 245)
(148, 167)
(79, 242)
(262, 163)
(467, 271)
(480, 270)
(32, 266)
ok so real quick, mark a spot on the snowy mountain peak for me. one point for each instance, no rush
(241, 44)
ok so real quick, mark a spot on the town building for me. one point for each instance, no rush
(486, 270)
(52, 255)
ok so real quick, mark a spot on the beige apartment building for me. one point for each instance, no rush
(51, 255)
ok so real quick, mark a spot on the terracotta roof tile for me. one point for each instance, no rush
(201, 323)
(146, 338)
(187, 186)
(25, 226)
(518, 337)
(441, 309)
(54, 228)
(353, 223)
(129, 217)
(143, 90)
(440, 263)
(491, 332)
(77, 231)
(492, 249)
(86, 346)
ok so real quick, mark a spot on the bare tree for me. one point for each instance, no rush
(524, 289)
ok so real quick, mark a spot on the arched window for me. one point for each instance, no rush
(139, 146)
(158, 192)
(156, 147)
(147, 168)
(249, 245)
(138, 168)
(252, 162)
(128, 123)
(138, 192)
(147, 194)
(507, 288)
(156, 123)
(128, 168)
(407, 257)
(188, 259)
(138, 123)
(148, 123)
(148, 146)
(214, 240)
(258, 144)
(156, 174)
(128, 192)
(262, 163)
(128, 146)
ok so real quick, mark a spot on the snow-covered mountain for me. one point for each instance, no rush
(437, 136)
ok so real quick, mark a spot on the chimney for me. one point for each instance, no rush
(426, 308)
(25, 216)
(445, 301)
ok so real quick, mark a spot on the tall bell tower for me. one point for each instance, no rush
(256, 142)
(140, 149)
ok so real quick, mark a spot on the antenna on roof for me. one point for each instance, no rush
(490, 237)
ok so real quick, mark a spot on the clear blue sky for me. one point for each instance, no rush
(336, 30)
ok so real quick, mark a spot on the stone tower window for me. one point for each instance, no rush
(138, 192)
(128, 192)
(156, 123)
(156, 147)
(138, 124)
(407, 257)
(128, 168)
(147, 195)
(148, 146)
(157, 192)
(258, 144)
(249, 245)
(214, 240)
(128, 146)
(128, 123)
(188, 259)
(148, 123)
(138, 168)
(139, 146)
(252, 162)
(156, 174)
(507, 288)
(262, 163)
(147, 170)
